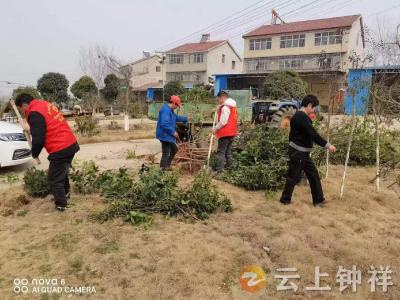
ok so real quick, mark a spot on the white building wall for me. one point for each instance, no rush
(215, 64)
(145, 72)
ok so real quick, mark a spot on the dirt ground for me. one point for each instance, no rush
(177, 259)
(174, 259)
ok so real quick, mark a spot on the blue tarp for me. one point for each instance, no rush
(221, 83)
(358, 83)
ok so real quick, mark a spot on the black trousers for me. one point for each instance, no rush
(58, 179)
(299, 162)
(224, 153)
(168, 152)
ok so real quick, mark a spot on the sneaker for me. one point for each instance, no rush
(61, 208)
(320, 204)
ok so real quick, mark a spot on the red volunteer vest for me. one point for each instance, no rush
(58, 133)
(230, 129)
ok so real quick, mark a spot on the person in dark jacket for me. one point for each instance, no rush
(166, 130)
(51, 131)
(301, 138)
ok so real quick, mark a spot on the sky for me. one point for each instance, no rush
(40, 36)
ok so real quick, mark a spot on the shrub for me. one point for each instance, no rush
(85, 178)
(114, 126)
(157, 192)
(86, 126)
(260, 156)
(36, 183)
(363, 145)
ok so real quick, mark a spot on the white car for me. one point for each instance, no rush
(14, 149)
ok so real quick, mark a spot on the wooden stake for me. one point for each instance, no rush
(24, 126)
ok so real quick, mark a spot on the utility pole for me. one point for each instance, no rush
(162, 63)
(275, 17)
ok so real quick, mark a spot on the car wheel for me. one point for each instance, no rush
(281, 118)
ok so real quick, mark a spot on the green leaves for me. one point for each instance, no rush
(173, 88)
(36, 184)
(157, 192)
(111, 88)
(86, 126)
(285, 84)
(261, 159)
(54, 87)
(84, 88)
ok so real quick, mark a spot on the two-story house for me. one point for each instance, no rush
(318, 50)
(147, 72)
(196, 63)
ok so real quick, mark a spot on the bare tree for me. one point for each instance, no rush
(124, 72)
(92, 64)
(382, 43)
(359, 83)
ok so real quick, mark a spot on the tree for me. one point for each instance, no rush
(124, 72)
(285, 84)
(173, 88)
(111, 88)
(85, 88)
(26, 90)
(92, 63)
(54, 87)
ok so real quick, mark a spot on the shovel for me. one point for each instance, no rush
(207, 166)
(24, 127)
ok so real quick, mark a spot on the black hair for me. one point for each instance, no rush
(310, 99)
(23, 98)
(222, 93)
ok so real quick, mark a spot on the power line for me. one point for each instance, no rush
(382, 11)
(341, 5)
(212, 25)
(255, 17)
(300, 8)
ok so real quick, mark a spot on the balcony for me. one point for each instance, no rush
(299, 63)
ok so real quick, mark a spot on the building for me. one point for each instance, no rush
(147, 73)
(195, 63)
(318, 50)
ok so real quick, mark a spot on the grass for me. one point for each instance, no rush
(202, 260)
(146, 132)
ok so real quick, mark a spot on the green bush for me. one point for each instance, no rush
(260, 156)
(36, 183)
(363, 148)
(86, 126)
(157, 192)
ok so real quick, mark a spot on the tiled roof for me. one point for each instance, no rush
(196, 47)
(301, 26)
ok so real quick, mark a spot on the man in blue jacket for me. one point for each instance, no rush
(166, 130)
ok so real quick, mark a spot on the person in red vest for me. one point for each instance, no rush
(225, 130)
(50, 130)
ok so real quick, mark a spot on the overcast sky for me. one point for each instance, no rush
(39, 36)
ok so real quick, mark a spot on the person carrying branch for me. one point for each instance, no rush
(166, 130)
(225, 130)
(51, 131)
(301, 138)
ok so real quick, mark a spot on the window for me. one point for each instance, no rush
(233, 64)
(293, 41)
(176, 59)
(158, 69)
(328, 38)
(260, 44)
(258, 65)
(197, 58)
(223, 58)
(291, 63)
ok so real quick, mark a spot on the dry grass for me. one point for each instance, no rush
(140, 132)
(178, 260)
